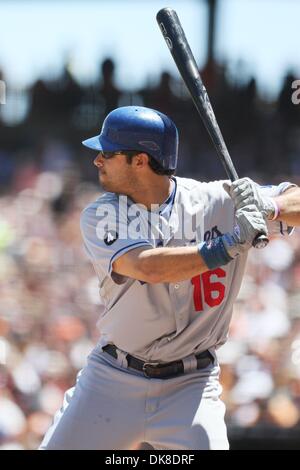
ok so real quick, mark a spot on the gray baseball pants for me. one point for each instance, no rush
(113, 407)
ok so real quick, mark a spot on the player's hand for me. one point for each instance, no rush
(245, 192)
(250, 222)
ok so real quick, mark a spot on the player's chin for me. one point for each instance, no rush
(101, 177)
(105, 183)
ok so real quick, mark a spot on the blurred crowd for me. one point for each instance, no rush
(261, 360)
(49, 300)
(263, 135)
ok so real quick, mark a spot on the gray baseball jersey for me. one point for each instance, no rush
(166, 321)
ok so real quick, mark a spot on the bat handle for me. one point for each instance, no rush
(260, 241)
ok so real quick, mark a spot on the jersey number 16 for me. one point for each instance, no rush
(205, 289)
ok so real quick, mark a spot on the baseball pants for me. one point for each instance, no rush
(115, 408)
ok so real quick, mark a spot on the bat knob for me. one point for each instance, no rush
(260, 241)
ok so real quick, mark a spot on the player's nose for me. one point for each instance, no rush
(98, 162)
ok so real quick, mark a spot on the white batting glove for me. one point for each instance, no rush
(250, 223)
(245, 192)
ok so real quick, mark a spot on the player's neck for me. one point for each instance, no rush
(154, 192)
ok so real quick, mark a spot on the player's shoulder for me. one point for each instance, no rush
(276, 190)
(104, 198)
(186, 183)
(211, 188)
(106, 201)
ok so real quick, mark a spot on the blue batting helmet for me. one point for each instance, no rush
(138, 128)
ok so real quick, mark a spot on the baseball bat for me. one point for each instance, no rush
(178, 45)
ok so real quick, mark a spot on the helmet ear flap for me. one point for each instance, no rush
(168, 144)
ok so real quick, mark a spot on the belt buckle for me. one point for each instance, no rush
(148, 364)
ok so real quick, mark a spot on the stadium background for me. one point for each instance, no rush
(49, 300)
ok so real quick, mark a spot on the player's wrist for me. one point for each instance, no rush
(233, 245)
(273, 209)
(214, 253)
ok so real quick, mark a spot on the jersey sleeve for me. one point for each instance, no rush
(277, 227)
(106, 234)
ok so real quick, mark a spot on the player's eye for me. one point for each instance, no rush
(108, 155)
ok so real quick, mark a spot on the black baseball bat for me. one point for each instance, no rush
(175, 38)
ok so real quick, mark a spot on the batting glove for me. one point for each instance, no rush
(245, 192)
(249, 223)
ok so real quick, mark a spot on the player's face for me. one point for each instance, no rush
(115, 174)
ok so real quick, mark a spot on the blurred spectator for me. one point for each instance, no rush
(162, 97)
(108, 89)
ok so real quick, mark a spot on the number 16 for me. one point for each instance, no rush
(203, 283)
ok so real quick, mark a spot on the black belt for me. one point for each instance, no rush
(158, 370)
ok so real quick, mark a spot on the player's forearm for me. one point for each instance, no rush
(289, 206)
(171, 264)
(158, 265)
(182, 263)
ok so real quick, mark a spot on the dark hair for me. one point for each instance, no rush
(154, 164)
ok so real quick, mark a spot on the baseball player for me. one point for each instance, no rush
(170, 254)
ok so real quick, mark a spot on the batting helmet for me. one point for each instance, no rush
(138, 128)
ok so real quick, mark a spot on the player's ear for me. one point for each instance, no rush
(141, 160)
